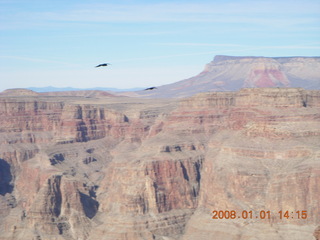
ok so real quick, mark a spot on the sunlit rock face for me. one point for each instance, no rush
(128, 168)
(228, 73)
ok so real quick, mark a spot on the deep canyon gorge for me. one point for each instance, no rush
(110, 167)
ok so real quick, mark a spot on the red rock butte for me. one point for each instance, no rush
(228, 73)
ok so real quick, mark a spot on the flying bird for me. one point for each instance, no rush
(103, 65)
(150, 88)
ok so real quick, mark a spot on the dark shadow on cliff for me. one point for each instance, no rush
(184, 171)
(57, 158)
(5, 178)
(89, 205)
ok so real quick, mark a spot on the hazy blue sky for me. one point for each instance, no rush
(149, 43)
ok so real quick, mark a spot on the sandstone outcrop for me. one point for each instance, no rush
(128, 168)
(228, 73)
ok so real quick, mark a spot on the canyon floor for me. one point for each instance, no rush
(241, 165)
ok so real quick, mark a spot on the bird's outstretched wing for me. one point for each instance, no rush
(150, 88)
(103, 65)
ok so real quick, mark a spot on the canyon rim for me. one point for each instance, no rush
(236, 165)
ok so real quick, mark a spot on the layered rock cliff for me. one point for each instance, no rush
(123, 168)
(228, 73)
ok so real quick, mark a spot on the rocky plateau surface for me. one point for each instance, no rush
(118, 168)
(230, 73)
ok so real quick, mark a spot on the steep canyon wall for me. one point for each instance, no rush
(122, 168)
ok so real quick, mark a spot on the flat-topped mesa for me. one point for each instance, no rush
(273, 97)
(221, 58)
(229, 73)
(18, 92)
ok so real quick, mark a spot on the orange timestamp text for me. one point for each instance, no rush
(263, 214)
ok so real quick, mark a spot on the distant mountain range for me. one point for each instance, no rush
(55, 89)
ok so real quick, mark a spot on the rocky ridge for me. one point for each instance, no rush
(129, 168)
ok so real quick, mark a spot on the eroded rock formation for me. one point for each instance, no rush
(228, 73)
(123, 168)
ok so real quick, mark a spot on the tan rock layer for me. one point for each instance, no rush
(74, 169)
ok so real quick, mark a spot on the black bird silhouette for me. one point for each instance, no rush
(103, 65)
(150, 88)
